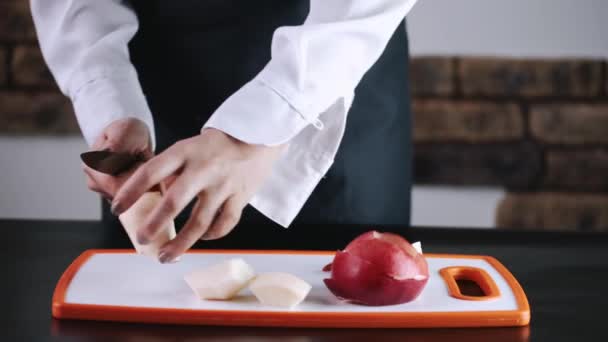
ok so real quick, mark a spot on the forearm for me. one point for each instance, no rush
(84, 44)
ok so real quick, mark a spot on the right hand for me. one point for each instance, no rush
(123, 135)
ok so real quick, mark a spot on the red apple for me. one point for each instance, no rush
(378, 269)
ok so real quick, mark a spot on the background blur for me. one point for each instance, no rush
(510, 126)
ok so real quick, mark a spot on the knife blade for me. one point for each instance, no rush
(112, 163)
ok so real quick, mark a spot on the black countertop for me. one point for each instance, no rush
(565, 277)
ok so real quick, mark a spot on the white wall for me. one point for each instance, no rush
(531, 28)
(33, 186)
(42, 178)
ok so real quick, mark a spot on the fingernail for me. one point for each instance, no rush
(165, 258)
(162, 257)
(142, 240)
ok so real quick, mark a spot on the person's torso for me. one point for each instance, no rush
(191, 55)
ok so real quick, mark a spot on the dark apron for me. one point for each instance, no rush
(192, 55)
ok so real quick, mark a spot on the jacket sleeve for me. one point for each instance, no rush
(312, 67)
(84, 43)
(303, 94)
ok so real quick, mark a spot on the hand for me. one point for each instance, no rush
(222, 172)
(124, 135)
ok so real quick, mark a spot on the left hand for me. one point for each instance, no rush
(221, 171)
(122, 135)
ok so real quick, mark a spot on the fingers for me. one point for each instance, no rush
(100, 183)
(200, 219)
(148, 175)
(92, 181)
(173, 201)
(226, 220)
(105, 184)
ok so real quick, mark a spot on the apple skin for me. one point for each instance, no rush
(377, 269)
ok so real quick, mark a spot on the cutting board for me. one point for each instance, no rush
(119, 285)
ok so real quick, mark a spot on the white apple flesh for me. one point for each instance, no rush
(221, 281)
(136, 215)
(279, 289)
(417, 246)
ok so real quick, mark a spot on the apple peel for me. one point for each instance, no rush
(378, 269)
(417, 246)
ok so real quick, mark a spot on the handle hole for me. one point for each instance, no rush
(470, 288)
(469, 283)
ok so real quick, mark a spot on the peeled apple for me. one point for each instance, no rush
(378, 269)
(221, 281)
(133, 218)
(279, 289)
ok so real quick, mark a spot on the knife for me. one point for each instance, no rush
(115, 163)
(112, 163)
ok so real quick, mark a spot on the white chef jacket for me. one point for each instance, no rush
(301, 97)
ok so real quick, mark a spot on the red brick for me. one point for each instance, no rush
(570, 123)
(466, 121)
(42, 113)
(516, 166)
(553, 211)
(29, 68)
(530, 78)
(431, 76)
(579, 170)
(16, 21)
(606, 80)
(3, 66)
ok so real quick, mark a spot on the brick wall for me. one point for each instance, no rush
(537, 127)
(30, 102)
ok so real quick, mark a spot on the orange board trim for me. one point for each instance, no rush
(451, 274)
(63, 310)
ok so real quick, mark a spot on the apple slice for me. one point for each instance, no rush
(221, 281)
(279, 289)
(132, 219)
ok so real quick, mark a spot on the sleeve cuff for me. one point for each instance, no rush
(290, 185)
(258, 114)
(105, 97)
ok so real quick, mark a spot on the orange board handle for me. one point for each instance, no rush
(451, 275)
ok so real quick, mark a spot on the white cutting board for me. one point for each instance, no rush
(123, 286)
